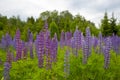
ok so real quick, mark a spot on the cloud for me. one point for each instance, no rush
(94, 9)
(91, 9)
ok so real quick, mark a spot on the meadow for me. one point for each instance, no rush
(73, 57)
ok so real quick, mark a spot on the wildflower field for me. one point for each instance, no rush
(73, 57)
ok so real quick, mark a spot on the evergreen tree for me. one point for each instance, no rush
(113, 25)
(118, 29)
(105, 26)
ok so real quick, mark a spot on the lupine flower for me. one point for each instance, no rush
(18, 45)
(10, 57)
(40, 42)
(30, 44)
(67, 63)
(84, 49)
(47, 47)
(3, 42)
(100, 42)
(31, 37)
(6, 71)
(46, 34)
(107, 53)
(8, 40)
(62, 39)
(77, 38)
(54, 47)
(118, 41)
(31, 50)
(68, 36)
(88, 41)
(73, 45)
(95, 43)
(48, 52)
(115, 43)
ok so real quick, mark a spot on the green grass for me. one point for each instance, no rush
(94, 69)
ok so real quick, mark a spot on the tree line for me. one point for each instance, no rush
(57, 22)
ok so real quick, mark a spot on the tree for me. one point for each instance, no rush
(118, 28)
(113, 25)
(105, 26)
(65, 19)
(54, 29)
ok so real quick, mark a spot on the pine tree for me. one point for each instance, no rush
(113, 25)
(105, 25)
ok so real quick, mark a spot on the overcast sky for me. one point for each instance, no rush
(92, 10)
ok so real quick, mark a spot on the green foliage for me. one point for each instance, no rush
(3, 59)
(27, 69)
(64, 21)
(54, 29)
(118, 28)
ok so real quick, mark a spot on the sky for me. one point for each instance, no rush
(92, 10)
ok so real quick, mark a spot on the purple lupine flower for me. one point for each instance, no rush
(6, 71)
(95, 44)
(54, 47)
(115, 43)
(73, 44)
(30, 45)
(31, 37)
(88, 41)
(107, 52)
(8, 40)
(18, 45)
(62, 39)
(77, 38)
(67, 63)
(40, 42)
(9, 57)
(68, 36)
(31, 50)
(118, 41)
(19, 50)
(23, 44)
(84, 49)
(48, 52)
(100, 43)
(3, 42)
(46, 34)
